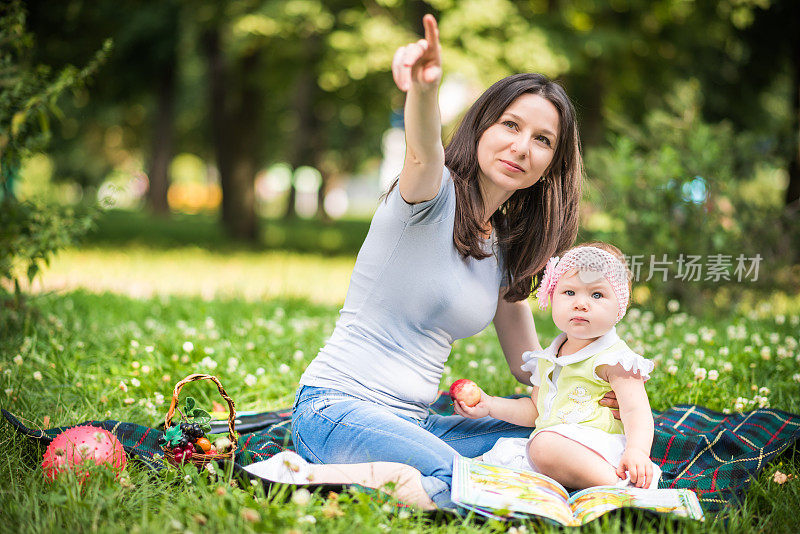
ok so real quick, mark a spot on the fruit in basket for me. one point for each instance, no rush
(204, 444)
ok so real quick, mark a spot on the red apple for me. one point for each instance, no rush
(466, 391)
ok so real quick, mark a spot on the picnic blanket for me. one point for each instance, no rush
(715, 454)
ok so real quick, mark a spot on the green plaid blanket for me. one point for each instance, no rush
(714, 454)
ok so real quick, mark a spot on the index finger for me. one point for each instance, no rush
(431, 30)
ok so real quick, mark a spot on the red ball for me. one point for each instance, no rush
(81, 447)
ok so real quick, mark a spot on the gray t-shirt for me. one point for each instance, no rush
(411, 295)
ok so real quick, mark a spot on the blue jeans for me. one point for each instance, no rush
(332, 427)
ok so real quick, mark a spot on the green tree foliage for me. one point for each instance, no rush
(677, 187)
(29, 232)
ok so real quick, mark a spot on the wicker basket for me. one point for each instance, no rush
(197, 458)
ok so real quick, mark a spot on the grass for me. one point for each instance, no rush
(97, 348)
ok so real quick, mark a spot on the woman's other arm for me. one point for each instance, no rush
(417, 71)
(516, 332)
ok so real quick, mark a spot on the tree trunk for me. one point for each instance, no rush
(234, 120)
(793, 188)
(306, 142)
(163, 141)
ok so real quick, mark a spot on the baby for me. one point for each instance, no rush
(576, 441)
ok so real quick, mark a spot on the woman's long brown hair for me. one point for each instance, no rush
(534, 223)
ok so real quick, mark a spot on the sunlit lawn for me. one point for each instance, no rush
(128, 321)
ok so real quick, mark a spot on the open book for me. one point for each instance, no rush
(502, 492)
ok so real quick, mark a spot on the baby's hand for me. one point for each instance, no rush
(481, 409)
(638, 465)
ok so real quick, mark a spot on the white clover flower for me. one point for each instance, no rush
(659, 329)
(672, 369)
(724, 351)
(774, 338)
(700, 373)
(795, 320)
(283, 369)
(135, 364)
(129, 400)
(796, 377)
(748, 349)
(791, 343)
(18, 359)
(250, 380)
(233, 363)
(146, 369)
(298, 355)
(403, 514)
(673, 306)
(529, 389)
(301, 497)
(37, 375)
(713, 374)
(208, 350)
(691, 338)
(260, 371)
(249, 345)
(134, 343)
(491, 369)
(764, 390)
(159, 398)
(185, 358)
(707, 335)
(727, 366)
(188, 346)
(726, 410)
(149, 349)
(699, 353)
(123, 386)
(208, 362)
(9, 391)
(470, 349)
(765, 353)
(780, 319)
(135, 382)
(472, 364)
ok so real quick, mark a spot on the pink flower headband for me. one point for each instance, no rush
(586, 259)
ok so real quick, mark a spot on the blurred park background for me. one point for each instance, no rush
(240, 147)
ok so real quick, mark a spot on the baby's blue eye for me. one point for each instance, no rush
(569, 292)
(597, 295)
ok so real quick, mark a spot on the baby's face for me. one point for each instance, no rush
(584, 305)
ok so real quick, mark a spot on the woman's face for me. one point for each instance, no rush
(514, 152)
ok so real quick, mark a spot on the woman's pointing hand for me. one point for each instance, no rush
(421, 62)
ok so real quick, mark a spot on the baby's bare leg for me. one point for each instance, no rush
(401, 481)
(569, 462)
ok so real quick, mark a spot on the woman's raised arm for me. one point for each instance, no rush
(417, 71)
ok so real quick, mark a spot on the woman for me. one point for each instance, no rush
(454, 245)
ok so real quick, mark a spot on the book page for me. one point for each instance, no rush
(503, 490)
(594, 502)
